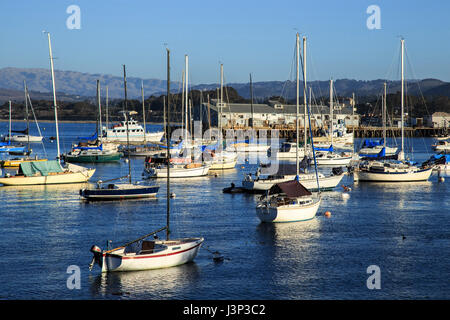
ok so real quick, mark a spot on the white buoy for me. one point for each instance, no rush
(345, 195)
(172, 195)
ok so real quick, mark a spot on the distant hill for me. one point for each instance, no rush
(78, 86)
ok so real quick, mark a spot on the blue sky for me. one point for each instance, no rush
(246, 36)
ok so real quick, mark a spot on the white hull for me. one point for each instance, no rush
(222, 165)
(167, 254)
(401, 176)
(292, 154)
(390, 151)
(287, 213)
(332, 159)
(24, 138)
(176, 172)
(122, 137)
(309, 181)
(76, 174)
(247, 148)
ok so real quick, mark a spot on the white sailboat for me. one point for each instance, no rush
(330, 157)
(51, 171)
(308, 180)
(290, 201)
(378, 147)
(141, 254)
(393, 171)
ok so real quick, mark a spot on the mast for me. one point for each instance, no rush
(26, 111)
(99, 111)
(10, 122)
(401, 154)
(297, 103)
(221, 101)
(209, 118)
(126, 121)
(251, 101)
(330, 129)
(143, 110)
(186, 60)
(54, 95)
(384, 117)
(168, 144)
(106, 111)
(183, 125)
(304, 94)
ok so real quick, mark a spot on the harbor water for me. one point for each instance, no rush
(47, 231)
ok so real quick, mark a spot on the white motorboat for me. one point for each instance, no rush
(325, 158)
(118, 133)
(141, 254)
(288, 150)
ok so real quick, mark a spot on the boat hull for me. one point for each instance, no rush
(287, 213)
(177, 172)
(310, 183)
(181, 252)
(407, 176)
(111, 157)
(62, 178)
(127, 191)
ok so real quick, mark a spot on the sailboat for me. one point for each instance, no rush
(328, 156)
(94, 149)
(308, 180)
(185, 167)
(50, 171)
(141, 254)
(120, 191)
(15, 162)
(393, 171)
(290, 201)
(7, 146)
(373, 148)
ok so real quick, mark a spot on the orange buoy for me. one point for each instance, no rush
(327, 214)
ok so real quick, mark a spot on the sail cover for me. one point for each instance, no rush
(293, 189)
(40, 167)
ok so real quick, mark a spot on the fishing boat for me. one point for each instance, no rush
(393, 170)
(290, 201)
(50, 171)
(141, 254)
(120, 191)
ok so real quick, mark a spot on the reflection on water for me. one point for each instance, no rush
(151, 284)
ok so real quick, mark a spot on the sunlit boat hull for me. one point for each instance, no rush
(401, 176)
(287, 213)
(76, 174)
(178, 252)
(119, 192)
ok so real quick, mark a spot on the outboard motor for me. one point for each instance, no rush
(97, 258)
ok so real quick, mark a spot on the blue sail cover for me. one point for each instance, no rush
(93, 137)
(330, 149)
(370, 143)
(100, 147)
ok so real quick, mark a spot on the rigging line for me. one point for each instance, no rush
(37, 124)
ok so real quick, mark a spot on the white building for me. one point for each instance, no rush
(438, 120)
(274, 114)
